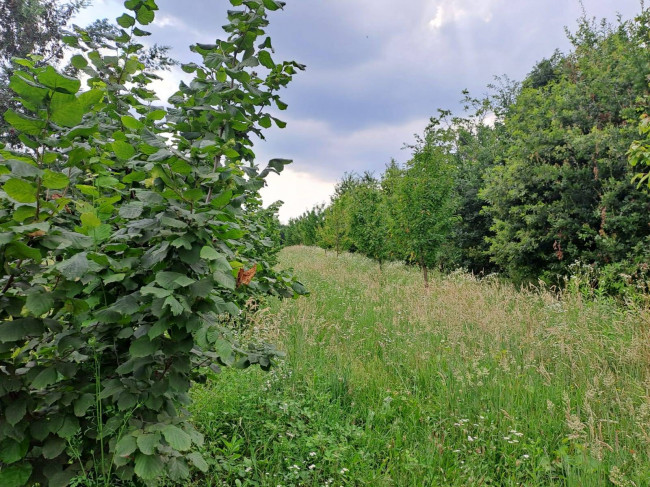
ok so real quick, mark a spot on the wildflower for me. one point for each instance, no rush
(343, 470)
(312, 453)
(469, 438)
(312, 467)
(525, 456)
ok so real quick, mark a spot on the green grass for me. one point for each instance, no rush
(469, 383)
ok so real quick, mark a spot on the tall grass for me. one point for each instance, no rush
(469, 383)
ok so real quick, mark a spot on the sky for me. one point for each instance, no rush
(377, 70)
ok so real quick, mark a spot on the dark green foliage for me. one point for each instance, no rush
(123, 230)
(423, 198)
(29, 26)
(367, 216)
(304, 229)
(563, 193)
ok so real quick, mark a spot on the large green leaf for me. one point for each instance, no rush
(148, 442)
(24, 124)
(39, 303)
(27, 89)
(12, 451)
(66, 110)
(125, 20)
(45, 377)
(126, 446)
(144, 15)
(58, 82)
(123, 150)
(55, 180)
(176, 437)
(142, 347)
(20, 190)
(21, 329)
(74, 267)
(20, 250)
(148, 467)
(15, 475)
(53, 447)
(199, 462)
(16, 411)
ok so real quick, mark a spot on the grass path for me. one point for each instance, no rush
(471, 383)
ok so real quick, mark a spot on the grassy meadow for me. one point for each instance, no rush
(469, 383)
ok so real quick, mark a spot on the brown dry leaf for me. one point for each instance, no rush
(245, 277)
(37, 233)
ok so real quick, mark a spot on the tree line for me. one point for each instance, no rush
(533, 181)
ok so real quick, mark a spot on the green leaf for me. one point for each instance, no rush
(156, 115)
(69, 428)
(24, 169)
(45, 377)
(174, 305)
(147, 443)
(132, 210)
(39, 303)
(21, 329)
(148, 467)
(53, 447)
(15, 475)
(176, 437)
(114, 278)
(90, 220)
(74, 267)
(144, 15)
(225, 279)
(12, 451)
(55, 180)
(178, 469)
(125, 21)
(272, 5)
(142, 347)
(222, 199)
(209, 253)
(66, 110)
(123, 150)
(126, 446)
(88, 99)
(22, 251)
(24, 124)
(16, 411)
(27, 89)
(83, 403)
(198, 461)
(20, 190)
(131, 123)
(265, 122)
(22, 213)
(155, 291)
(78, 61)
(58, 82)
(266, 60)
(224, 349)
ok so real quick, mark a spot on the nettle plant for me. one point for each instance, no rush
(130, 239)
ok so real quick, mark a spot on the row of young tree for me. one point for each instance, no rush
(528, 181)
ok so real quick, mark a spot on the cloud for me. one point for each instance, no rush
(377, 69)
(298, 190)
(458, 10)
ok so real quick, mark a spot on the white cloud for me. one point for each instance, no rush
(456, 10)
(298, 190)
